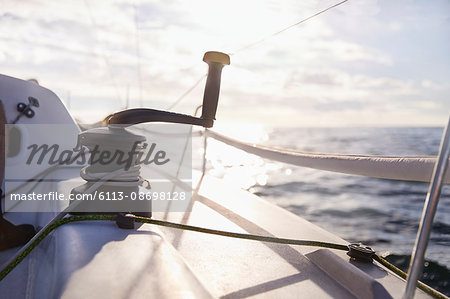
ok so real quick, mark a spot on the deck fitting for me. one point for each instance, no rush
(360, 252)
(125, 220)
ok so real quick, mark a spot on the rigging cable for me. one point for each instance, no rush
(105, 58)
(285, 29)
(187, 92)
(257, 43)
(138, 53)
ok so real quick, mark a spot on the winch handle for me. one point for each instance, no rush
(216, 61)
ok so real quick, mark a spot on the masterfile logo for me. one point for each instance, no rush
(49, 167)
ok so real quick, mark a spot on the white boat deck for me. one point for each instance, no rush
(234, 268)
(98, 260)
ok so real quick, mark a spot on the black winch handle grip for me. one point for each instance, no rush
(216, 61)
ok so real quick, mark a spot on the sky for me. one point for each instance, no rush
(363, 63)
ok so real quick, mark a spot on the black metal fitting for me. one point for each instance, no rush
(360, 252)
(125, 220)
(25, 109)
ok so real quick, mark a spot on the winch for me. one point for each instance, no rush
(113, 164)
(113, 174)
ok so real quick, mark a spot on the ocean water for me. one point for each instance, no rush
(383, 214)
